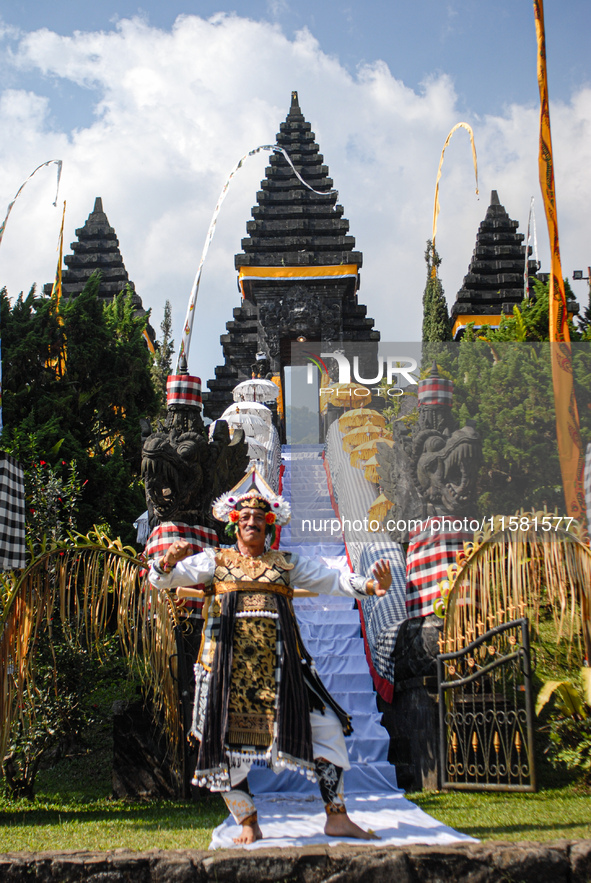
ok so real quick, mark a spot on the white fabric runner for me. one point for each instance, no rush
(289, 820)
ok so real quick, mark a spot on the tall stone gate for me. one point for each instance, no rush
(298, 271)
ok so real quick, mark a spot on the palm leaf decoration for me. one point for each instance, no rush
(566, 697)
(93, 585)
(509, 573)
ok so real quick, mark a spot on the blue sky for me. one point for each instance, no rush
(488, 48)
(151, 111)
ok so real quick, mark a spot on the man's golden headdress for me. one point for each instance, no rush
(252, 492)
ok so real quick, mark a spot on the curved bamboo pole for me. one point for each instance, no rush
(89, 581)
(505, 574)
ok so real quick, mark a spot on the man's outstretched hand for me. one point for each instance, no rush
(383, 577)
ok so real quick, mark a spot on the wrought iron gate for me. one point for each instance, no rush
(486, 712)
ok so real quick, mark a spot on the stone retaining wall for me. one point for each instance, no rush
(559, 862)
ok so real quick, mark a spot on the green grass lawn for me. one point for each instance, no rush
(54, 823)
(108, 824)
(73, 810)
(549, 814)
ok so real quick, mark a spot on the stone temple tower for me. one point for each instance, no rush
(494, 283)
(298, 270)
(96, 249)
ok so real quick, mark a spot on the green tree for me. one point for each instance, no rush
(503, 381)
(436, 324)
(584, 320)
(162, 361)
(76, 383)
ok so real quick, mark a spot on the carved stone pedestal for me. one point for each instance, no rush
(412, 719)
(140, 768)
(413, 724)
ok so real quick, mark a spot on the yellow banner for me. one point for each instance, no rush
(570, 448)
(480, 321)
(58, 362)
(56, 291)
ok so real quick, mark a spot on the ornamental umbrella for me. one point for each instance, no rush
(361, 434)
(349, 395)
(362, 453)
(256, 451)
(253, 426)
(379, 508)
(358, 417)
(254, 409)
(370, 470)
(327, 394)
(256, 390)
(345, 395)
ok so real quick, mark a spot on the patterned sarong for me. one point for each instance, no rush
(12, 513)
(198, 536)
(427, 559)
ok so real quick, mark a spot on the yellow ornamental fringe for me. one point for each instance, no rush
(368, 449)
(508, 574)
(86, 582)
(358, 417)
(358, 436)
(378, 511)
(328, 395)
(371, 470)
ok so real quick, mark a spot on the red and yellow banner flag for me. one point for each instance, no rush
(570, 448)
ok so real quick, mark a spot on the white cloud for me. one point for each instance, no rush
(175, 110)
(277, 7)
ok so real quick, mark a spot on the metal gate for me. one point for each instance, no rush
(486, 712)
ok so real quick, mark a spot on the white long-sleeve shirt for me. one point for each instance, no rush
(307, 573)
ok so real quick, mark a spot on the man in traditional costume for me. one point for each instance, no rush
(258, 697)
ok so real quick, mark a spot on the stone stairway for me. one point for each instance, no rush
(331, 631)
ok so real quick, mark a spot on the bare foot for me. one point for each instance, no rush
(249, 834)
(340, 825)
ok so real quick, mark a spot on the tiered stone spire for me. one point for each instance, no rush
(293, 226)
(97, 248)
(494, 282)
(298, 270)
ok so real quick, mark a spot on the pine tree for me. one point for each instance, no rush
(436, 324)
(162, 361)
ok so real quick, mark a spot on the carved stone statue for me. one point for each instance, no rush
(183, 471)
(432, 469)
(262, 367)
(429, 473)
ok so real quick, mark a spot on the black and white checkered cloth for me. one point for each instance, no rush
(12, 513)
(384, 616)
(354, 496)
